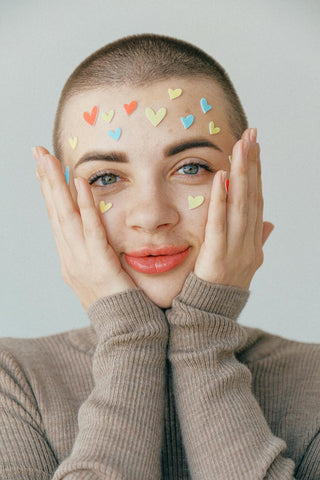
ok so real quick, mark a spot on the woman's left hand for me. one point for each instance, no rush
(235, 232)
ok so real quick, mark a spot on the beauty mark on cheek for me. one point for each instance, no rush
(174, 93)
(204, 105)
(107, 117)
(73, 142)
(104, 207)
(195, 202)
(91, 117)
(212, 129)
(131, 107)
(155, 117)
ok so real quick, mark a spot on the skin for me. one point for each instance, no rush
(225, 235)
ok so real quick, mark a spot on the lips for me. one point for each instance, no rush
(156, 260)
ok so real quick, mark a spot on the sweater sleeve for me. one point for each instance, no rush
(225, 433)
(121, 422)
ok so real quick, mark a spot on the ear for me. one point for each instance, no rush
(267, 229)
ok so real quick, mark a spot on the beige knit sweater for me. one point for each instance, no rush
(150, 394)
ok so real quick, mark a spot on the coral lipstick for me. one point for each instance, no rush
(157, 260)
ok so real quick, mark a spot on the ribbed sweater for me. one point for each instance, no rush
(145, 393)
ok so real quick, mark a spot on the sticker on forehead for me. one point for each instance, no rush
(212, 129)
(91, 117)
(155, 117)
(115, 134)
(107, 117)
(131, 107)
(205, 106)
(174, 93)
(187, 121)
(195, 202)
(67, 175)
(73, 142)
(104, 207)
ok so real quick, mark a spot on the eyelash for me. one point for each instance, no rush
(102, 174)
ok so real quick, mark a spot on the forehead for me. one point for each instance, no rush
(91, 116)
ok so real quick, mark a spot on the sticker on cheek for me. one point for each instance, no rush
(174, 93)
(67, 175)
(155, 117)
(195, 202)
(115, 134)
(205, 106)
(104, 207)
(107, 117)
(131, 107)
(230, 158)
(91, 117)
(187, 121)
(212, 129)
(73, 142)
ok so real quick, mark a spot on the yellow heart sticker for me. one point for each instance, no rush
(212, 129)
(104, 206)
(73, 142)
(107, 117)
(174, 93)
(195, 202)
(156, 118)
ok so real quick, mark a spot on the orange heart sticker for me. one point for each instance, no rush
(131, 107)
(91, 117)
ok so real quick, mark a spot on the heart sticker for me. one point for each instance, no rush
(131, 107)
(230, 158)
(107, 117)
(204, 105)
(195, 202)
(73, 142)
(91, 117)
(187, 121)
(115, 134)
(104, 207)
(66, 175)
(155, 118)
(174, 93)
(212, 129)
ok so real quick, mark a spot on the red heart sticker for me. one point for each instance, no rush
(131, 107)
(91, 117)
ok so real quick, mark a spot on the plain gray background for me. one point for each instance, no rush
(270, 48)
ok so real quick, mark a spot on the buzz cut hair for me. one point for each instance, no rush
(140, 60)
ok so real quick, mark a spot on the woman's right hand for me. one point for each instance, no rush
(89, 264)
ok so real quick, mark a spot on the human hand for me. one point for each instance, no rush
(89, 264)
(235, 232)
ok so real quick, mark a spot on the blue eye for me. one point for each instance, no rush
(105, 179)
(190, 168)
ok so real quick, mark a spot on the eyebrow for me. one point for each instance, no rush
(169, 152)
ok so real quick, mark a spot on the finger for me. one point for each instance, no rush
(93, 229)
(252, 196)
(237, 202)
(67, 214)
(258, 235)
(216, 227)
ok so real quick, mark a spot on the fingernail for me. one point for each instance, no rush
(253, 135)
(77, 184)
(227, 185)
(35, 154)
(245, 146)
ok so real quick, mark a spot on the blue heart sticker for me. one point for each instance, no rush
(115, 134)
(187, 121)
(204, 105)
(66, 175)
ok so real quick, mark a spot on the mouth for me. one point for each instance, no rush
(156, 260)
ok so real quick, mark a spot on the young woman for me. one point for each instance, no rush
(155, 199)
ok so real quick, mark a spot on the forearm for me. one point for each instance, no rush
(224, 431)
(121, 422)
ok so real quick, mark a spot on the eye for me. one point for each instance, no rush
(102, 179)
(193, 168)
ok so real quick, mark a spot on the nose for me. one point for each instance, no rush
(151, 208)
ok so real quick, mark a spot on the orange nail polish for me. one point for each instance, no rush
(227, 185)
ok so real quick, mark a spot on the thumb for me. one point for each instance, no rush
(267, 229)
